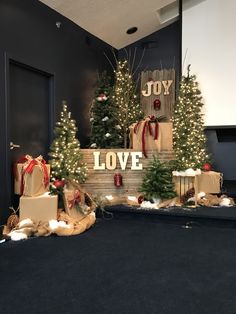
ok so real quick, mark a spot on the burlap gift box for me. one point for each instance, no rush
(38, 208)
(78, 204)
(33, 182)
(209, 182)
(142, 136)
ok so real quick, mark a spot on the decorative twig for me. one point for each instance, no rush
(141, 59)
(109, 62)
(188, 69)
(185, 56)
(14, 210)
(135, 50)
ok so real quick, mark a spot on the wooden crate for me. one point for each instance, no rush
(101, 182)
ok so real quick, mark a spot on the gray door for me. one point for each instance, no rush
(29, 114)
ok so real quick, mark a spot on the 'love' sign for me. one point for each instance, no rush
(111, 158)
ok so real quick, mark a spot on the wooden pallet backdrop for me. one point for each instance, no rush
(101, 182)
(167, 101)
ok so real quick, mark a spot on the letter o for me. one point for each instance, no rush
(111, 161)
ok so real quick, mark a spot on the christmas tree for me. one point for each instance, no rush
(189, 140)
(104, 127)
(157, 181)
(66, 159)
(125, 100)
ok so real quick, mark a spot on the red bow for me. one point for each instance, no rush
(147, 125)
(21, 160)
(76, 200)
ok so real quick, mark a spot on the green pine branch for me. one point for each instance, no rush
(66, 159)
(157, 181)
(189, 140)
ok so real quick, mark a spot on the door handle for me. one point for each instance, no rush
(12, 145)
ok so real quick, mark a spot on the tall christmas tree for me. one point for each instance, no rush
(157, 181)
(125, 99)
(189, 140)
(104, 126)
(66, 159)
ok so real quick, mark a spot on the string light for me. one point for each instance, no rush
(188, 126)
(66, 159)
(125, 99)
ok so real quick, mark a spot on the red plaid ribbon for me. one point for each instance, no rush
(147, 126)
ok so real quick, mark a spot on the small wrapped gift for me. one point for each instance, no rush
(151, 135)
(78, 204)
(38, 208)
(31, 176)
(210, 182)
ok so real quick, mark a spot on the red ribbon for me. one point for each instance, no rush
(136, 127)
(21, 160)
(150, 129)
(147, 125)
(28, 169)
(143, 139)
(45, 173)
(156, 131)
(75, 201)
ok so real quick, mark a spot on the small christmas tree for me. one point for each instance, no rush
(66, 159)
(158, 182)
(125, 100)
(189, 140)
(104, 127)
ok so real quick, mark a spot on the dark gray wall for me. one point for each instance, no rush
(222, 147)
(28, 33)
(161, 49)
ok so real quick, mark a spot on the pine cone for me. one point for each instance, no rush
(12, 221)
(190, 193)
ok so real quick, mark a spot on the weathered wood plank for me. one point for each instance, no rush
(167, 101)
(101, 182)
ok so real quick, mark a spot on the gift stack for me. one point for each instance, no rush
(31, 176)
(197, 182)
(151, 135)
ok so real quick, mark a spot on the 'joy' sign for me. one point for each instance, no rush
(111, 160)
(156, 87)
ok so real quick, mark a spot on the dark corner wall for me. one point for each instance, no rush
(28, 33)
(160, 50)
(221, 142)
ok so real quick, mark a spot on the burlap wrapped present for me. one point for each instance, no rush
(38, 208)
(31, 176)
(210, 182)
(78, 204)
(151, 135)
